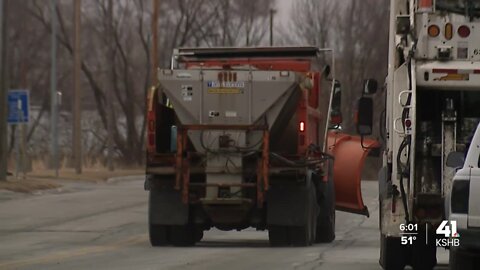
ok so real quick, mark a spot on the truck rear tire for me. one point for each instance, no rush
(182, 235)
(158, 235)
(302, 236)
(325, 229)
(297, 235)
(198, 234)
(278, 236)
(460, 261)
(392, 253)
(424, 257)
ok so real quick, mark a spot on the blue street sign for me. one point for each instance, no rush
(18, 106)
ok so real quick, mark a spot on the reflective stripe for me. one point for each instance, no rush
(442, 70)
(455, 71)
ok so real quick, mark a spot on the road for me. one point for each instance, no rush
(104, 226)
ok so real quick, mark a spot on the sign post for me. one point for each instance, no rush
(18, 114)
(3, 91)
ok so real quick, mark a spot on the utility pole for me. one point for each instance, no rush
(247, 34)
(110, 120)
(155, 42)
(3, 92)
(77, 113)
(53, 91)
(155, 65)
(272, 13)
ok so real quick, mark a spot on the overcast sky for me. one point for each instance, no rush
(283, 9)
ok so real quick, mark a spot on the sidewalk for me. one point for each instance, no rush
(45, 179)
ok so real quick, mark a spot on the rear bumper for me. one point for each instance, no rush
(470, 239)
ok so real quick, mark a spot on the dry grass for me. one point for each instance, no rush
(27, 185)
(45, 179)
(88, 175)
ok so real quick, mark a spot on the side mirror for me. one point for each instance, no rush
(336, 112)
(370, 86)
(364, 117)
(455, 159)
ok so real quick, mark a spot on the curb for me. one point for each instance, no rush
(125, 178)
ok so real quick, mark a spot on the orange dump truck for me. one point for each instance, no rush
(245, 137)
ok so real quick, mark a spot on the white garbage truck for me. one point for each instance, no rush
(432, 107)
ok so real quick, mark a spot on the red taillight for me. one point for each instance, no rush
(464, 31)
(301, 126)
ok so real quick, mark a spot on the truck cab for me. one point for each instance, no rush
(463, 205)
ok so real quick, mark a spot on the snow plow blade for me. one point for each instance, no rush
(349, 160)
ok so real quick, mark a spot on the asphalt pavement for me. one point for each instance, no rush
(104, 226)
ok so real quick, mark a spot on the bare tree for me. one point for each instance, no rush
(121, 65)
(357, 30)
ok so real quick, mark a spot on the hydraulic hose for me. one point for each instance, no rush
(405, 143)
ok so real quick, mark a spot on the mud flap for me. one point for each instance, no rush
(347, 172)
(166, 208)
(286, 203)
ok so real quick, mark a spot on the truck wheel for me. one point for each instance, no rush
(198, 234)
(278, 235)
(158, 235)
(459, 260)
(314, 216)
(424, 257)
(182, 235)
(303, 235)
(325, 229)
(392, 253)
(300, 235)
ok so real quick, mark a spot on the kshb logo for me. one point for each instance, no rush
(450, 234)
(446, 230)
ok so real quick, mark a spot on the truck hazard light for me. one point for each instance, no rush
(433, 30)
(448, 31)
